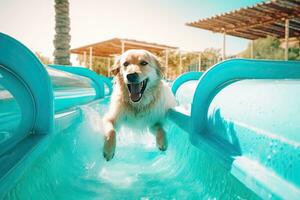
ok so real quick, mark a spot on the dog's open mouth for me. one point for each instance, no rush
(136, 90)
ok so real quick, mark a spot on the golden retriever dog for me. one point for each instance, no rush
(140, 99)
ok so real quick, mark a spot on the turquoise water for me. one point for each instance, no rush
(73, 167)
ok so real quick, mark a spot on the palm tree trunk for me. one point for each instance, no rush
(62, 37)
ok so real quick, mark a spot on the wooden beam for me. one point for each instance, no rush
(273, 27)
(145, 44)
(238, 21)
(294, 31)
(266, 31)
(244, 35)
(95, 44)
(133, 46)
(84, 58)
(254, 25)
(253, 33)
(256, 21)
(227, 24)
(103, 53)
(114, 46)
(122, 46)
(295, 21)
(219, 26)
(274, 13)
(91, 58)
(295, 25)
(290, 3)
(141, 43)
(283, 10)
(250, 15)
(232, 22)
(257, 13)
(269, 12)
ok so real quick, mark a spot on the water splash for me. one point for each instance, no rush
(73, 167)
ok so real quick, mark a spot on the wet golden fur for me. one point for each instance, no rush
(149, 111)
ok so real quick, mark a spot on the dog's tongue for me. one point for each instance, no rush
(135, 91)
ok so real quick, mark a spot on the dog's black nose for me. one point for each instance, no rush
(132, 77)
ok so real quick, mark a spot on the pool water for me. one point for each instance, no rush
(72, 167)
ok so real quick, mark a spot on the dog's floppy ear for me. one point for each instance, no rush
(155, 60)
(115, 69)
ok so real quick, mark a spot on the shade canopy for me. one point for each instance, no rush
(116, 46)
(258, 21)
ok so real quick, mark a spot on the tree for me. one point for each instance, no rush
(270, 48)
(62, 37)
(190, 61)
(210, 57)
(100, 64)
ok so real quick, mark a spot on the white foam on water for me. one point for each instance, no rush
(93, 119)
(125, 136)
(129, 137)
(121, 178)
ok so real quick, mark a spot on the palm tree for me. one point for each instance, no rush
(62, 37)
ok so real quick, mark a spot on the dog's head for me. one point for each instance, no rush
(139, 70)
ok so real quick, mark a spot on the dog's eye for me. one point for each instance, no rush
(126, 64)
(143, 63)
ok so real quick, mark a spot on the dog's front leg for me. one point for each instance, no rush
(109, 140)
(161, 138)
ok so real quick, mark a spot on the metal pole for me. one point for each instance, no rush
(167, 63)
(251, 49)
(91, 58)
(199, 62)
(286, 52)
(180, 62)
(224, 46)
(84, 59)
(123, 46)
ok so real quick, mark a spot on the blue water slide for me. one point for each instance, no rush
(71, 89)
(185, 85)
(247, 112)
(26, 102)
(244, 113)
(99, 80)
(20, 78)
(185, 77)
(32, 98)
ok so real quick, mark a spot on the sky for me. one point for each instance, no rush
(159, 21)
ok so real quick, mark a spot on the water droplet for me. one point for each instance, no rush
(271, 144)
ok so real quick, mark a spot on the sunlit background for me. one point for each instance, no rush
(32, 22)
(164, 22)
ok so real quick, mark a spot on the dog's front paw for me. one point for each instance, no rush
(161, 140)
(109, 146)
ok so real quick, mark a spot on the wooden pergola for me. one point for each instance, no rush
(279, 18)
(116, 46)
